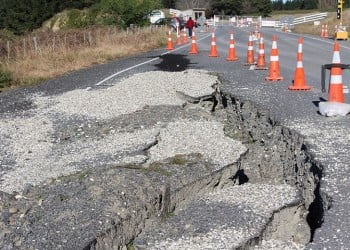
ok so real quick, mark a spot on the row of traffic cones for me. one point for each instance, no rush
(335, 93)
(181, 39)
(213, 49)
(299, 82)
(261, 63)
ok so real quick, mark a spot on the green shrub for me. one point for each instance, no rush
(5, 79)
(126, 12)
(76, 19)
(7, 35)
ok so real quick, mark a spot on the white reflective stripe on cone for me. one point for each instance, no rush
(274, 58)
(336, 79)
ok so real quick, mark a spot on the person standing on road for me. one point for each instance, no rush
(189, 26)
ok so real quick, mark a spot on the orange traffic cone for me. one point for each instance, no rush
(261, 64)
(299, 82)
(250, 52)
(322, 31)
(335, 93)
(326, 31)
(194, 49)
(232, 51)
(274, 63)
(213, 49)
(170, 42)
(184, 36)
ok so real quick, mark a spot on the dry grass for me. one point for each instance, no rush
(331, 21)
(295, 13)
(57, 54)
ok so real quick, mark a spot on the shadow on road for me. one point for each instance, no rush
(173, 63)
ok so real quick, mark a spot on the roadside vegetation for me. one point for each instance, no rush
(58, 53)
(42, 39)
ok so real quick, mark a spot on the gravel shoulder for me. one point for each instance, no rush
(66, 133)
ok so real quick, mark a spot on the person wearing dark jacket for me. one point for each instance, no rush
(189, 25)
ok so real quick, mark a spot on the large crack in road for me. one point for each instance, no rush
(186, 149)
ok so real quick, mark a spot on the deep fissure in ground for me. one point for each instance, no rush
(275, 155)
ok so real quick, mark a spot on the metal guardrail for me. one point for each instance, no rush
(304, 19)
(310, 18)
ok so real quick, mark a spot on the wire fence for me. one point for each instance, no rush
(54, 42)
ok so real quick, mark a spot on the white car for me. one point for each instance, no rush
(156, 15)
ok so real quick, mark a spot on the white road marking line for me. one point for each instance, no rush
(124, 70)
(143, 63)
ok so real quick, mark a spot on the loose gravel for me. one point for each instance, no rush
(210, 141)
(62, 134)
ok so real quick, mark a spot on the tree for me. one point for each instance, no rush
(227, 7)
(190, 4)
(20, 16)
(264, 7)
(238, 7)
(169, 3)
(126, 12)
(310, 4)
(322, 4)
(302, 4)
(277, 5)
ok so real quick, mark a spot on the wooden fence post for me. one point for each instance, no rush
(90, 38)
(53, 43)
(8, 50)
(35, 44)
(24, 47)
